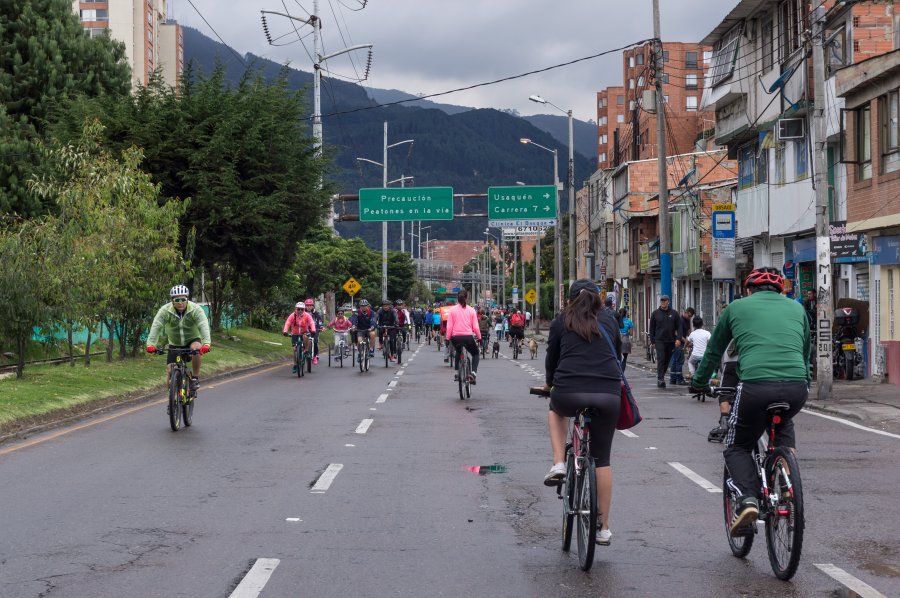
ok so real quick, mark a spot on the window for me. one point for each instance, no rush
(864, 143)
(801, 159)
(664, 78)
(790, 17)
(603, 139)
(746, 167)
(835, 50)
(762, 166)
(665, 56)
(603, 121)
(620, 118)
(690, 103)
(631, 84)
(666, 99)
(725, 56)
(620, 100)
(707, 57)
(690, 81)
(690, 60)
(640, 81)
(639, 58)
(602, 157)
(768, 45)
(779, 164)
(631, 104)
(889, 117)
(631, 62)
(95, 31)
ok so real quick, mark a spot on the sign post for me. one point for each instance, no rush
(723, 246)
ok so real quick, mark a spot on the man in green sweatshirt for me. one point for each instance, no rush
(185, 325)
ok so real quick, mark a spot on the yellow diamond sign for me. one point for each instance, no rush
(351, 286)
(530, 296)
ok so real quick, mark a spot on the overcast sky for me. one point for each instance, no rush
(431, 46)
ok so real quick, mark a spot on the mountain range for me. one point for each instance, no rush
(465, 148)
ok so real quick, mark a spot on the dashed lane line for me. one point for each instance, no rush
(858, 586)
(696, 478)
(381, 398)
(628, 433)
(256, 579)
(327, 478)
(363, 427)
(392, 384)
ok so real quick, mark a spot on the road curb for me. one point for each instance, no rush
(119, 402)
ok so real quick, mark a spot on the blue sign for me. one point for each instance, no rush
(886, 250)
(723, 225)
(455, 289)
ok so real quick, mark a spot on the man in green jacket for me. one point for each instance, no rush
(771, 334)
(185, 325)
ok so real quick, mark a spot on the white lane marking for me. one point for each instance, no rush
(363, 427)
(325, 480)
(700, 481)
(381, 398)
(392, 384)
(650, 448)
(350, 445)
(400, 373)
(256, 579)
(372, 409)
(293, 519)
(628, 433)
(856, 585)
(851, 424)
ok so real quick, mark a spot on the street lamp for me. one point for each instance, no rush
(502, 268)
(557, 249)
(384, 180)
(571, 183)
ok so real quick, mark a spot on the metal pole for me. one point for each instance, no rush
(572, 217)
(824, 313)
(402, 223)
(537, 278)
(557, 270)
(317, 80)
(665, 240)
(384, 230)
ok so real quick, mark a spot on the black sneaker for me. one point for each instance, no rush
(195, 385)
(660, 384)
(745, 515)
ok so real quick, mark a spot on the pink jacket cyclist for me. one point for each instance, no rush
(462, 321)
(341, 324)
(299, 323)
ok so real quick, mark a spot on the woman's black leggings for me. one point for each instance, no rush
(603, 419)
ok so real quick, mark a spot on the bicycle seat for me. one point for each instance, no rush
(777, 407)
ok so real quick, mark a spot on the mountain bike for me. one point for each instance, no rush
(780, 502)
(181, 400)
(302, 356)
(362, 351)
(578, 490)
(389, 345)
(650, 347)
(463, 372)
(485, 342)
(343, 349)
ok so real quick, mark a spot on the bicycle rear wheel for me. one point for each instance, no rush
(175, 383)
(785, 522)
(460, 376)
(740, 545)
(468, 376)
(568, 497)
(187, 408)
(586, 513)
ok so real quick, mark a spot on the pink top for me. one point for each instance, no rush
(462, 321)
(341, 324)
(299, 324)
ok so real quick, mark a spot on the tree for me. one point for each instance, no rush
(401, 274)
(45, 61)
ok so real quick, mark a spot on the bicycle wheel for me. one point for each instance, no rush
(330, 350)
(516, 349)
(586, 513)
(309, 360)
(784, 523)
(468, 362)
(187, 408)
(568, 497)
(298, 360)
(175, 382)
(461, 375)
(400, 352)
(740, 545)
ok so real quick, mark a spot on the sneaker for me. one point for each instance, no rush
(604, 537)
(294, 369)
(195, 385)
(316, 360)
(371, 353)
(472, 379)
(556, 475)
(745, 515)
(660, 383)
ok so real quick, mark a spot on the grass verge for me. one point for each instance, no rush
(60, 388)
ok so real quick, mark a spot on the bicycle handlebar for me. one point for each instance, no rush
(539, 391)
(177, 351)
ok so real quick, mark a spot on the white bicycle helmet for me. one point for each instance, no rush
(179, 290)
(300, 305)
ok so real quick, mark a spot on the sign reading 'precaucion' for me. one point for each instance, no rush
(529, 205)
(406, 203)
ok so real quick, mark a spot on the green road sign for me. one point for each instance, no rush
(440, 290)
(522, 205)
(406, 203)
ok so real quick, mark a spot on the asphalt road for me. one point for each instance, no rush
(277, 467)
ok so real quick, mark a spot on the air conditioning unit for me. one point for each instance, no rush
(790, 128)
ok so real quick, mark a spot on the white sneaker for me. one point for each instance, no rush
(556, 475)
(604, 536)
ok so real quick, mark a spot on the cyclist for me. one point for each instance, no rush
(403, 319)
(771, 334)
(341, 325)
(299, 324)
(320, 323)
(387, 318)
(463, 330)
(365, 325)
(516, 328)
(435, 321)
(484, 326)
(582, 372)
(185, 325)
(418, 318)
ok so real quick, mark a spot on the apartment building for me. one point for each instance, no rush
(152, 41)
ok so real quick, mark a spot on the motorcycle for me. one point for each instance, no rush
(846, 354)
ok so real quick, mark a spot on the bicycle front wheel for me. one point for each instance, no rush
(586, 513)
(298, 360)
(740, 545)
(175, 383)
(187, 408)
(785, 522)
(568, 497)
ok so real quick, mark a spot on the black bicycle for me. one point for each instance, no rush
(181, 399)
(650, 346)
(578, 490)
(780, 502)
(390, 345)
(463, 371)
(362, 351)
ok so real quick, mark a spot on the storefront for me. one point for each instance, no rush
(885, 266)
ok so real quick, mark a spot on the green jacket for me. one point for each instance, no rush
(180, 330)
(771, 333)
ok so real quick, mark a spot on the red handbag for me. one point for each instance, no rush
(629, 414)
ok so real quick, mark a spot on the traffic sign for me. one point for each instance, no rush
(522, 205)
(455, 289)
(351, 286)
(440, 290)
(530, 296)
(406, 203)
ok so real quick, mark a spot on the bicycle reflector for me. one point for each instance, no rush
(776, 420)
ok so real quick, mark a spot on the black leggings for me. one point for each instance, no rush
(603, 420)
(470, 345)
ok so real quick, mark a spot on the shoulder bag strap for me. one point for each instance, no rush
(613, 349)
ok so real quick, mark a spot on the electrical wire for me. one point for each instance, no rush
(219, 37)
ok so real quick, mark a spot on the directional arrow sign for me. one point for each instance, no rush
(522, 205)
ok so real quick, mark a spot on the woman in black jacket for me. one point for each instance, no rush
(582, 371)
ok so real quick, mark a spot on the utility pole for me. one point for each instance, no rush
(665, 239)
(384, 181)
(537, 282)
(824, 313)
(572, 218)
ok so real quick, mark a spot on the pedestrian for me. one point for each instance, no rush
(527, 319)
(676, 375)
(582, 372)
(609, 306)
(625, 331)
(498, 325)
(697, 341)
(665, 331)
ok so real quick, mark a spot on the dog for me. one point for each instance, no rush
(495, 351)
(532, 347)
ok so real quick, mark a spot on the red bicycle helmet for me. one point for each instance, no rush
(765, 276)
(309, 302)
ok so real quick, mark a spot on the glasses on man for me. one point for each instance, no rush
(179, 300)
